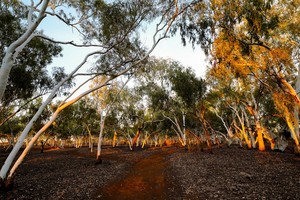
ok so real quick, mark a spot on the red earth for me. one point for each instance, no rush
(156, 173)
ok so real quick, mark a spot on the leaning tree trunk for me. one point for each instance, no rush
(6, 165)
(6, 66)
(291, 91)
(16, 47)
(294, 136)
(296, 111)
(11, 53)
(137, 135)
(243, 128)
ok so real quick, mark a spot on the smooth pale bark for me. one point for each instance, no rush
(296, 112)
(31, 143)
(290, 89)
(180, 132)
(243, 128)
(8, 162)
(102, 123)
(293, 93)
(11, 157)
(29, 125)
(45, 127)
(145, 140)
(291, 127)
(228, 129)
(16, 47)
(261, 131)
(160, 28)
(48, 124)
(252, 136)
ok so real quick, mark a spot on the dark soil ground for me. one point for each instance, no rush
(156, 173)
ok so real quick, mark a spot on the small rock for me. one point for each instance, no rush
(246, 175)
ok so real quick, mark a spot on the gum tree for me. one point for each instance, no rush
(109, 27)
(251, 39)
(172, 92)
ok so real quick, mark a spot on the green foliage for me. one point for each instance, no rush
(187, 86)
(74, 119)
(170, 90)
(113, 20)
(29, 74)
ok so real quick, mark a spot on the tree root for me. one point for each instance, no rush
(7, 185)
(2, 185)
(98, 160)
(297, 150)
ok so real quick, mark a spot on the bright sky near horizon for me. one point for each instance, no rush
(170, 48)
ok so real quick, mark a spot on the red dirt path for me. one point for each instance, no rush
(146, 180)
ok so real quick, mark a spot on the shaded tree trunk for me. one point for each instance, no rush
(102, 123)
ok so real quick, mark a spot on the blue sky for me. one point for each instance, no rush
(167, 48)
(170, 48)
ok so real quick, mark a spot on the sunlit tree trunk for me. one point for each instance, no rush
(137, 135)
(63, 105)
(6, 66)
(250, 132)
(115, 139)
(260, 139)
(291, 91)
(296, 112)
(29, 146)
(291, 127)
(162, 29)
(259, 129)
(145, 140)
(243, 128)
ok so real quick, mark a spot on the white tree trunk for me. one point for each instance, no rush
(8, 162)
(24, 134)
(16, 47)
(228, 129)
(31, 143)
(102, 123)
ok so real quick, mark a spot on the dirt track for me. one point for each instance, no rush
(147, 180)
